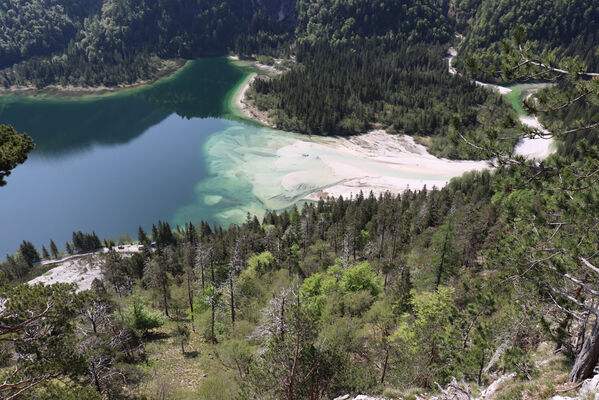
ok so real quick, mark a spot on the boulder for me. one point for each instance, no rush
(490, 391)
(590, 386)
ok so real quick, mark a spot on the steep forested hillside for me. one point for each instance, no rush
(93, 42)
(567, 27)
(405, 20)
(123, 41)
(40, 28)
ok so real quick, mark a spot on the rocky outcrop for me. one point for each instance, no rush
(279, 10)
(590, 386)
(490, 391)
(588, 391)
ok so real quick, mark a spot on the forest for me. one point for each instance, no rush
(356, 280)
(493, 275)
(111, 42)
(114, 42)
(565, 28)
(392, 295)
(339, 21)
(350, 88)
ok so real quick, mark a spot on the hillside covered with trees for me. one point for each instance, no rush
(566, 28)
(350, 88)
(494, 275)
(388, 295)
(113, 42)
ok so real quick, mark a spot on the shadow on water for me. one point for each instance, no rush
(62, 126)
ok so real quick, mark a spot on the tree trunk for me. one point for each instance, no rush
(232, 301)
(382, 245)
(587, 358)
(190, 296)
(440, 270)
(385, 365)
(95, 377)
(212, 338)
(164, 292)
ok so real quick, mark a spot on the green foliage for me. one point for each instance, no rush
(361, 277)
(352, 87)
(83, 242)
(428, 337)
(216, 388)
(40, 28)
(29, 253)
(407, 20)
(547, 22)
(181, 335)
(53, 391)
(38, 323)
(14, 149)
(143, 319)
(259, 264)
(110, 42)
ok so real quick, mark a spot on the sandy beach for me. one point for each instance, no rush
(379, 162)
(537, 148)
(283, 168)
(248, 109)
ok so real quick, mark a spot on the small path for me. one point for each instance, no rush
(128, 248)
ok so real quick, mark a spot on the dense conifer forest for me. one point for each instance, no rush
(112, 42)
(350, 88)
(566, 28)
(338, 21)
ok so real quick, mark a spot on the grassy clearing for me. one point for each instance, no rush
(550, 378)
(168, 372)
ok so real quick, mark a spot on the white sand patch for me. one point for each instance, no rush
(537, 148)
(496, 88)
(374, 161)
(452, 53)
(284, 168)
(81, 271)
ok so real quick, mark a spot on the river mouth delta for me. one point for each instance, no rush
(180, 150)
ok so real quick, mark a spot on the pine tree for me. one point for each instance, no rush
(53, 249)
(45, 254)
(29, 253)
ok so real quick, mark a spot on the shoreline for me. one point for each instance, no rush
(247, 109)
(240, 100)
(373, 161)
(174, 65)
(387, 163)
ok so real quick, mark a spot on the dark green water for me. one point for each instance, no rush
(113, 162)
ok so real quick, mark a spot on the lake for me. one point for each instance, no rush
(109, 163)
(180, 151)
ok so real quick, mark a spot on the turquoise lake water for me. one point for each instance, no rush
(109, 163)
(177, 150)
